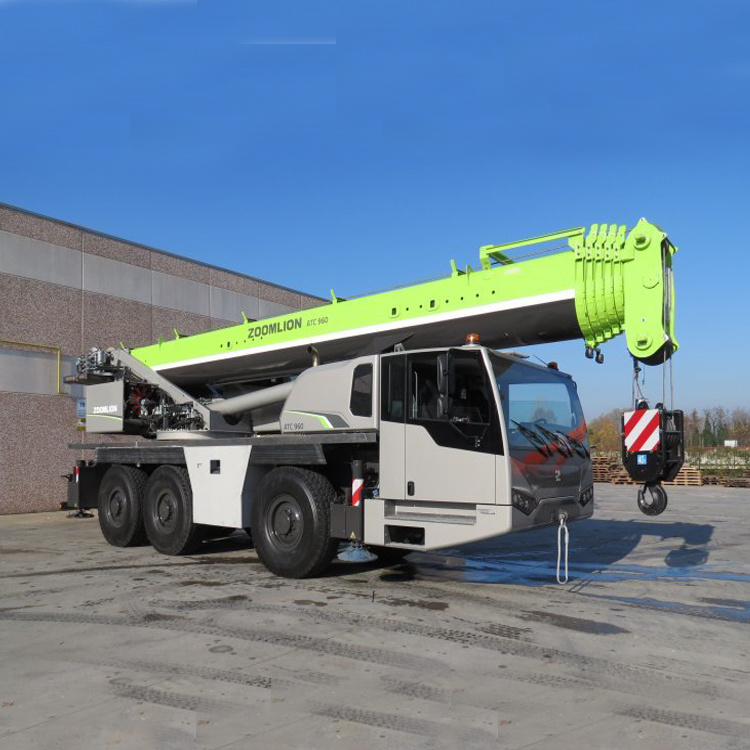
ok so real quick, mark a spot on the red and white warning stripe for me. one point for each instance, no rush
(357, 485)
(641, 428)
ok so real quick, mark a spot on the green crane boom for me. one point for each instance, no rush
(608, 282)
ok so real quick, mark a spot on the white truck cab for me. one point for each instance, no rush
(472, 443)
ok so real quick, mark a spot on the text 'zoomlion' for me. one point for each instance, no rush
(279, 327)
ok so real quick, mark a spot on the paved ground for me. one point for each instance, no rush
(646, 647)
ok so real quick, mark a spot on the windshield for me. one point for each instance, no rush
(540, 407)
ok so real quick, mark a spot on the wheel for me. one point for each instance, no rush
(656, 501)
(120, 502)
(168, 512)
(291, 522)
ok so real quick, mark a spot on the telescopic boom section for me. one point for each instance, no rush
(609, 282)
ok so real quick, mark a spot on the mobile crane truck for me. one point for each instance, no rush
(390, 420)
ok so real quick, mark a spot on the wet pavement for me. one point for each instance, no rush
(646, 645)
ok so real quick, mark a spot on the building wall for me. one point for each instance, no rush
(64, 289)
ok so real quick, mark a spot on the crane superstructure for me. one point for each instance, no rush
(370, 419)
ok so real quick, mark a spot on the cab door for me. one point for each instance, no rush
(392, 426)
(452, 430)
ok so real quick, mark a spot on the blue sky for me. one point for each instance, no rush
(363, 144)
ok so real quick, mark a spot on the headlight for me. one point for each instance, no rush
(587, 496)
(524, 502)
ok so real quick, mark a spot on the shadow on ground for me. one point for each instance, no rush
(597, 548)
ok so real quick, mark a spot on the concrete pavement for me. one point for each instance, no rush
(645, 647)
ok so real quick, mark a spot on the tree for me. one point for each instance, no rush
(708, 437)
(721, 429)
(604, 431)
(692, 430)
(740, 426)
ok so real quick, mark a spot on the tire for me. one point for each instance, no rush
(168, 512)
(120, 504)
(291, 522)
(656, 503)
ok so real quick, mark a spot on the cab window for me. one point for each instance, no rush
(360, 403)
(451, 395)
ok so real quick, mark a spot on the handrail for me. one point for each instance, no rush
(488, 253)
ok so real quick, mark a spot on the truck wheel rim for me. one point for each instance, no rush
(165, 511)
(116, 507)
(284, 522)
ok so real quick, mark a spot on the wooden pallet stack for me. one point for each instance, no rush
(733, 480)
(621, 477)
(688, 476)
(608, 468)
(604, 466)
(741, 480)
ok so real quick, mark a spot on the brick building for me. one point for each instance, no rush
(64, 289)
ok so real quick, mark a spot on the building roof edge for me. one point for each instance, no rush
(158, 250)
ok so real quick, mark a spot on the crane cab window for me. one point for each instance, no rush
(469, 396)
(450, 394)
(360, 403)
